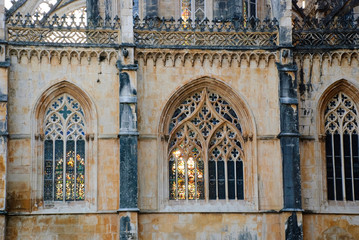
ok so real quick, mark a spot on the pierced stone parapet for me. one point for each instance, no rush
(217, 34)
(65, 30)
(319, 34)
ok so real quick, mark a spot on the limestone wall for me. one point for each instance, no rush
(51, 227)
(252, 75)
(32, 72)
(327, 226)
(318, 74)
(211, 226)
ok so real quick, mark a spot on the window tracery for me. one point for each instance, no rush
(205, 147)
(64, 150)
(342, 148)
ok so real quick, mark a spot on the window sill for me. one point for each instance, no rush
(208, 206)
(339, 207)
(64, 207)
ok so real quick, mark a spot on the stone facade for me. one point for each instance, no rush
(130, 75)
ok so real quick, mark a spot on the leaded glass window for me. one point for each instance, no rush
(194, 9)
(249, 9)
(342, 145)
(205, 147)
(64, 150)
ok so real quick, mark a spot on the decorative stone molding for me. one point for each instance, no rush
(59, 53)
(235, 33)
(311, 33)
(170, 57)
(62, 30)
(340, 55)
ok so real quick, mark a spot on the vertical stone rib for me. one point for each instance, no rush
(289, 141)
(128, 144)
(289, 136)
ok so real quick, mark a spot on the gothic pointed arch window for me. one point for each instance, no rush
(205, 149)
(342, 148)
(64, 150)
(225, 9)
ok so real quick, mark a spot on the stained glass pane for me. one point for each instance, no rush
(59, 170)
(172, 171)
(200, 179)
(186, 9)
(181, 184)
(186, 168)
(48, 181)
(80, 170)
(204, 121)
(64, 126)
(70, 170)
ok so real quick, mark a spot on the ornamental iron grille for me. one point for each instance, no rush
(342, 145)
(68, 29)
(235, 33)
(64, 146)
(205, 131)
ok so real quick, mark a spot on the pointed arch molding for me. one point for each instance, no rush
(245, 116)
(37, 150)
(342, 85)
(352, 91)
(57, 89)
(249, 203)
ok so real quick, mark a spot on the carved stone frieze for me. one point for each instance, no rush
(340, 55)
(173, 57)
(80, 54)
